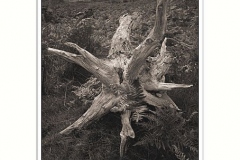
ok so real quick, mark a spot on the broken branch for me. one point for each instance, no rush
(153, 40)
(156, 86)
(121, 41)
(126, 132)
(105, 73)
(162, 100)
(101, 105)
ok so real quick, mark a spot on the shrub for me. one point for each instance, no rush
(56, 70)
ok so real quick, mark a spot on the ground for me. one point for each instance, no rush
(61, 107)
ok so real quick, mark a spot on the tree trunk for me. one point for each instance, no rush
(128, 74)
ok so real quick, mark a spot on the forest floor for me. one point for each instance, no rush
(61, 107)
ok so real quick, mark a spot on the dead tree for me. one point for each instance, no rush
(127, 74)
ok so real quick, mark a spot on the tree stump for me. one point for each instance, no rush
(129, 75)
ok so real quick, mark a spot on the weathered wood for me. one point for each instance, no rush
(100, 106)
(153, 40)
(121, 49)
(161, 63)
(159, 101)
(156, 67)
(105, 73)
(126, 132)
(120, 53)
(154, 78)
(156, 86)
(121, 41)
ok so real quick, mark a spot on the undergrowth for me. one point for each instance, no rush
(169, 130)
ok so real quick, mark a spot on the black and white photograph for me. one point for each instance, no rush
(119, 80)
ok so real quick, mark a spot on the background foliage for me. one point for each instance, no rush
(173, 136)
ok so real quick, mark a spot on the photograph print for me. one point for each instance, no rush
(119, 80)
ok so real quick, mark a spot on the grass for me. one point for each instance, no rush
(61, 107)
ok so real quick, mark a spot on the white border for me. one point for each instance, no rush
(221, 80)
(18, 80)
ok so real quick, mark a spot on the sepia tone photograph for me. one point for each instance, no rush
(120, 80)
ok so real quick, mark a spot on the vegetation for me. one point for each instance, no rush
(66, 96)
